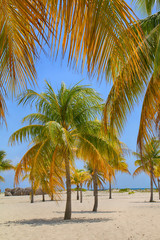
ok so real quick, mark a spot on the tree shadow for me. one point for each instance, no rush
(56, 221)
(91, 212)
(154, 202)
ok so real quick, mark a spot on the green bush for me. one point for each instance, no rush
(122, 190)
(131, 192)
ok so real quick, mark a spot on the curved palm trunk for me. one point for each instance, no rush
(151, 180)
(110, 187)
(68, 186)
(159, 187)
(80, 192)
(77, 192)
(95, 192)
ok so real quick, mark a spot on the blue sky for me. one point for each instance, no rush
(56, 72)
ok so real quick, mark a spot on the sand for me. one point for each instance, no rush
(123, 217)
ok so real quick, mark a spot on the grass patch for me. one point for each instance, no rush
(122, 190)
(75, 189)
(131, 192)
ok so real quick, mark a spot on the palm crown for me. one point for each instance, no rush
(57, 127)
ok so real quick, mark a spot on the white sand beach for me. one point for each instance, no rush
(123, 217)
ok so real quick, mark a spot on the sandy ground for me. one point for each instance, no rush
(123, 217)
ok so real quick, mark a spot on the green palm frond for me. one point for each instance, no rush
(148, 5)
(4, 163)
(125, 94)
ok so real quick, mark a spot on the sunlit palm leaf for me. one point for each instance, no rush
(94, 32)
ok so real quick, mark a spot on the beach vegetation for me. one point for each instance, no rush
(79, 177)
(148, 161)
(58, 126)
(4, 164)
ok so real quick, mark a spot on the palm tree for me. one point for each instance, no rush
(97, 150)
(100, 177)
(4, 164)
(148, 161)
(157, 176)
(119, 165)
(57, 123)
(83, 177)
(75, 179)
(96, 33)
(42, 170)
(80, 177)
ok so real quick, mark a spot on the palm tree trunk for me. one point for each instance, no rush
(77, 192)
(151, 179)
(32, 193)
(110, 187)
(159, 187)
(80, 192)
(68, 186)
(95, 192)
(51, 196)
(43, 197)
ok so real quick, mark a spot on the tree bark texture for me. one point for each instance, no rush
(43, 197)
(95, 192)
(77, 192)
(151, 179)
(32, 194)
(110, 187)
(68, 186)
(80, 192)
(159, 187)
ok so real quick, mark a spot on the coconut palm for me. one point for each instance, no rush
(57, 123)
(95, 32)
(79, 177)
(4, 164)
(157, 176)
(42, 170)
(117, 166)
(97, 150)
(148, 161)
(84, 176)
(75, 179)
(100, 177)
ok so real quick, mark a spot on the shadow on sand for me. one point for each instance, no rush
(91, 212)
(56, 221)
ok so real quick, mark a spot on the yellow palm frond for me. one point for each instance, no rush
(96, 33)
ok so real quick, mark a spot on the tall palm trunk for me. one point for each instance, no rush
(80, 192)
(93, 188)
(151, 180)
(51, 196)
(95, 192)
(159, 187)
(110, 187)
(32, 193)
(68, 186)
(43, 197)
(77, 192)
